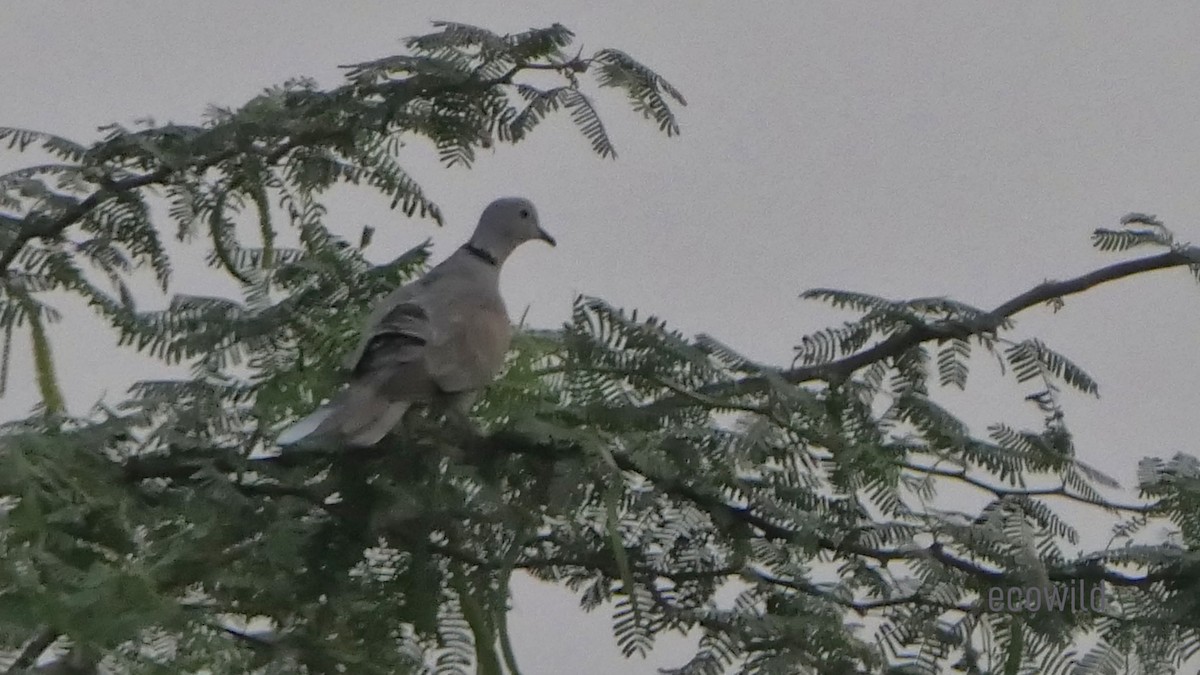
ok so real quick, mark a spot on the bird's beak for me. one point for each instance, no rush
(545, 236)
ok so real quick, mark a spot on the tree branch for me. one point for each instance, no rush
(36, 226)
(901, 342)
(42, 228)
(1043, 292)
(1000, 491)
(936, 551)
(29, 654)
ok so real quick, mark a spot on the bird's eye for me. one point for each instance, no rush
(524, 213)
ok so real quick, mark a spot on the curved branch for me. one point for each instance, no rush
(901, 342)
(1043, 292)
(32, 650)
(47, 228)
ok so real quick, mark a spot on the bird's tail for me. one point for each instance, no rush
(305, 427)
(360, 416)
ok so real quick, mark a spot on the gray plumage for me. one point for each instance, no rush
(437, 340)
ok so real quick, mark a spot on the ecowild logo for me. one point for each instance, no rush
(1054, 597)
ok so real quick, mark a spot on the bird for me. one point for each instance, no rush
(437, 340)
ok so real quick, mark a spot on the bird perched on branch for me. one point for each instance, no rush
(437, 340)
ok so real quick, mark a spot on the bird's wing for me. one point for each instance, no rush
(446, 333)
(469, 332)
(388, 375)
(397, 339)
(406, 294)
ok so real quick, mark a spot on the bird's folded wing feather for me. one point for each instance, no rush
(403, 295)
(398, 338)
(388, 376)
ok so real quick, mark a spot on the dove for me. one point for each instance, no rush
(437, 340)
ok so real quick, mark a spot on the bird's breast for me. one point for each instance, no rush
(470, 346)
(491, 335)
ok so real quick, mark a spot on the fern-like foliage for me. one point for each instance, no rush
(1138, 229)
(791, 518)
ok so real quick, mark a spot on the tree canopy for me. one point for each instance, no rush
(642, 469)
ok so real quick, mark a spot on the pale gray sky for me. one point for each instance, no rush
(905, 149)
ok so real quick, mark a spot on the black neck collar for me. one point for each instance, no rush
(481, 254)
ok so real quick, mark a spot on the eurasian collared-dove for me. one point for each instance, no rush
(436, 340)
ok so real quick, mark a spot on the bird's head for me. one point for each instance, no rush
(507, 223)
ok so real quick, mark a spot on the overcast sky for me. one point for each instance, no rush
(904, 149)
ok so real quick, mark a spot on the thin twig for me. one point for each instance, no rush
(32, 650)
(1002, 491)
